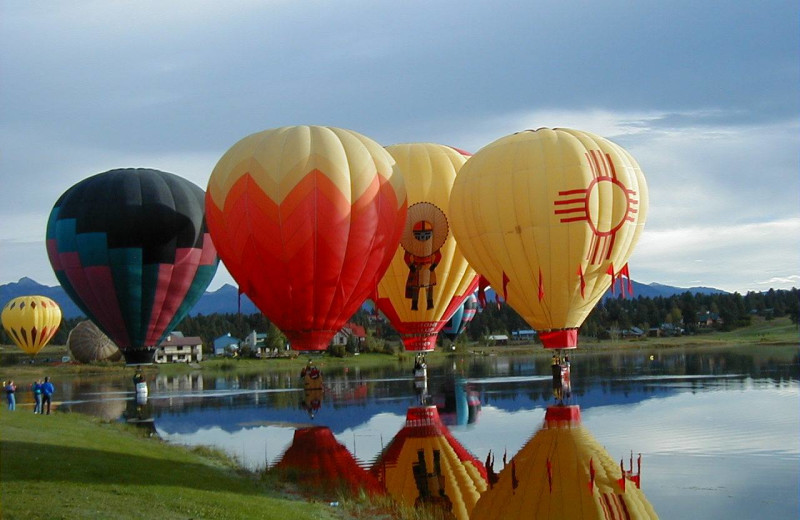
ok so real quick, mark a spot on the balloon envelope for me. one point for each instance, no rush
(130, 247)
(460, 319)
(550, 218)
(31, 321)
(87, 343)
(425, 466)
(306, 219)
(428, 278)
(563, 472)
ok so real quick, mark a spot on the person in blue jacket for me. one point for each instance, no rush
(11, 390)
(47, 393)
(37, 395)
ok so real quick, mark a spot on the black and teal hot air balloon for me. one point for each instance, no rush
(460, 319)
(130, 247)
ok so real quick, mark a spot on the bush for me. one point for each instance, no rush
(339, 351)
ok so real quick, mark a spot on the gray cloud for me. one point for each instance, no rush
(89, 86)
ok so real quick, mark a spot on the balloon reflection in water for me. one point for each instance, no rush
(563, 472)
(425, 466)
(319, 460)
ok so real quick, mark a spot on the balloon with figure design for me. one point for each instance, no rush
(550, 218)
(306, 220)
(31, 322)
(130, 247)
(428, 278)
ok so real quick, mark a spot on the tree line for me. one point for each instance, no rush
(733, 310)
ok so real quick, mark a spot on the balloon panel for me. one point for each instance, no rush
(306, 220)
(547, 217)
(428, 277)
(461, 318)
(130, 247)
(31, 321)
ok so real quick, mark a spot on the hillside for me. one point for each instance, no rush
(225, 299)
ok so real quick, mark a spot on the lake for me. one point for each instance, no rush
(718, 430)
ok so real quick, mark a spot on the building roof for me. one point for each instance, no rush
(181, 341)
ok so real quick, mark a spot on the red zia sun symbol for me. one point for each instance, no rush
(583, 204)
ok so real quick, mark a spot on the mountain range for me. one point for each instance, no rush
(225, 300)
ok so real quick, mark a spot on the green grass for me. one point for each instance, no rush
(72, 466)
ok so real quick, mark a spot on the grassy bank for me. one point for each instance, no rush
(72, 466)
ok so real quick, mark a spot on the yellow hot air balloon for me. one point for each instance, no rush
(563, 472)
(429, 278)
(31, 321)
(550, 218)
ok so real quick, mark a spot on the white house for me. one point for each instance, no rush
(226, 343)
(179, 349)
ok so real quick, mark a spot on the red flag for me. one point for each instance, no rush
(514, 481)
(591, 475)
(483, 283)
(621, 481)
(541, 285)
(505, 285)
(583, 281)
(610, 271)
(624, 271)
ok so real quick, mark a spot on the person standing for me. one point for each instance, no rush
(47, 393)
(37, 395)
(11, 390)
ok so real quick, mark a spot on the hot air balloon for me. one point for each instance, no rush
(460, 319)
(306, 219)
(425, 466)
(87, 343)
(428, 278)
(563, 472)
(131, 249)
(319, 460)
(550, 218)
(31, 321)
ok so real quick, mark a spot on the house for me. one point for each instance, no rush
(708, 319)
(255, 340)
(177, 348)
(523, 335)
(350, 330)
(497, 339)
(226, 344)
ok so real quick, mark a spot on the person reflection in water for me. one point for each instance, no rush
(557, 384)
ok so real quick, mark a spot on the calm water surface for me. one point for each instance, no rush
(719, 432)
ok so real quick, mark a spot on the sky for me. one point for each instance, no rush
(703, 94)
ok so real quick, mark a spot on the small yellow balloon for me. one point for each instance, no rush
(31, 321)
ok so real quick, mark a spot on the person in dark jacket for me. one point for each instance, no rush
(36, 388)
(47, 393)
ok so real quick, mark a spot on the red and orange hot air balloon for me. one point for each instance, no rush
(550, 218)
(428, 278)
(306, 219)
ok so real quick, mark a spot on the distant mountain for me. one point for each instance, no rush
(225, 299)
(28, 287)
(654, 290)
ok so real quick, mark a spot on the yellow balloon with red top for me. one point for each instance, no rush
(550, 217)
(428, 278)
(306, 219)
(31, 321)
